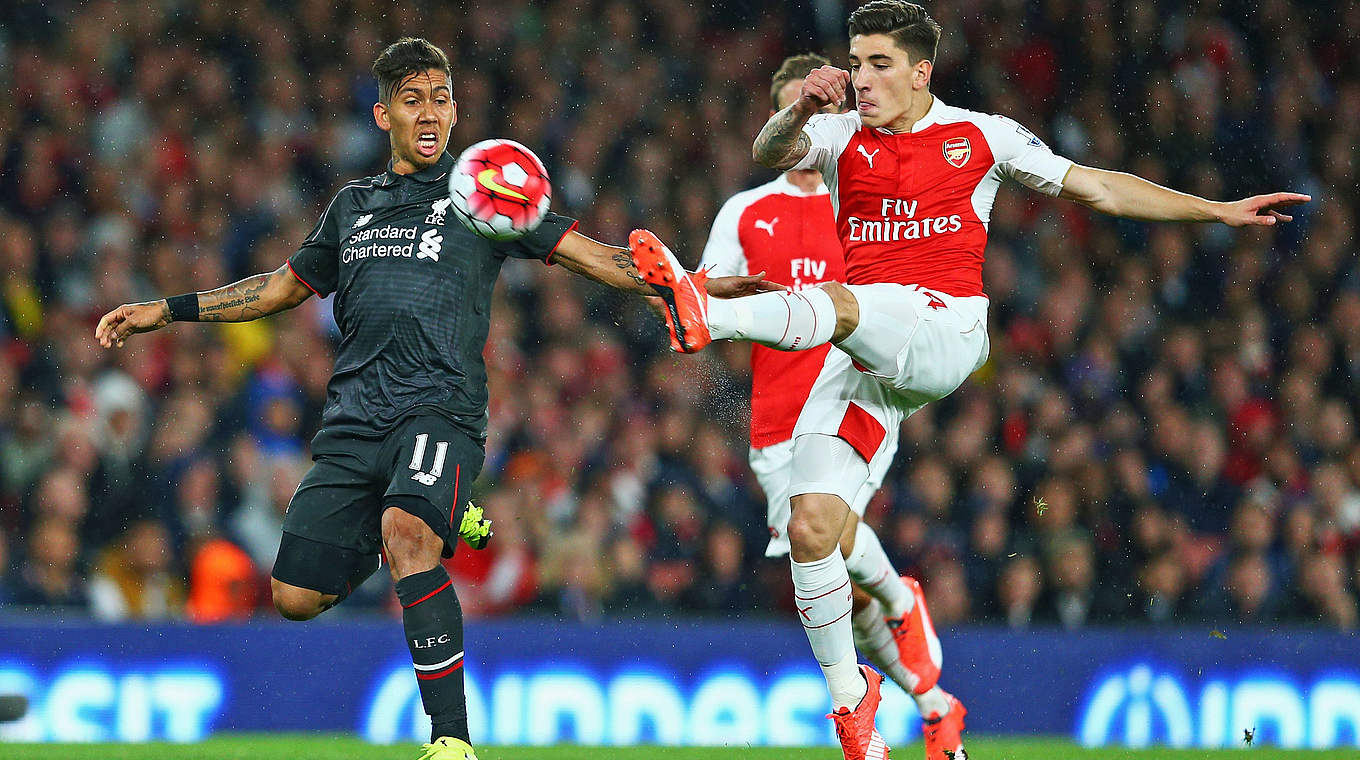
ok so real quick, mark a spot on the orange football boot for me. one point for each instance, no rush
(917, 644)
(859, 739)
(684, 293)
(944, 733)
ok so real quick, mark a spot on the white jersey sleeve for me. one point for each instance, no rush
(1023, 157)
(830, 133)
(723, 256)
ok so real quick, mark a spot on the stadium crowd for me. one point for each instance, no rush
(1166, 432)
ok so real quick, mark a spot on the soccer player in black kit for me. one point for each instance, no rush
(404, 426)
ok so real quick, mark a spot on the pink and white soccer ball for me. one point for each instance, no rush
(499, 189)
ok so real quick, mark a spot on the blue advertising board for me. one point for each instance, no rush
(539, 681)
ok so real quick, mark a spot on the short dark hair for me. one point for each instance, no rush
(407, 56)
(907, 23)
(794, 67)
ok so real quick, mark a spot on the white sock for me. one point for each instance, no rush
(787, 321)
(874, 639)
(871, 570)
(932, 703)
(822, 594)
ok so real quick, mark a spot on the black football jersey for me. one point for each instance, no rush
(412, 298)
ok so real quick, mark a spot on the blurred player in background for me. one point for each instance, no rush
(404, 428)
(786, 228)
(912, 181)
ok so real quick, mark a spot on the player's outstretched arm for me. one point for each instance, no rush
(1132, 197)
(781, 143)
(251, 298)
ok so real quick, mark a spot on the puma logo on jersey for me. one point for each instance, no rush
(361, 221)
(431, 243)
(868, 156)
(768, 226)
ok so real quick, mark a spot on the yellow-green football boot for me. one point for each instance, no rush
(475, 529)
(448, 748)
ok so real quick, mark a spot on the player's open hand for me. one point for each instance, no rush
(130, 319)
(1260, 209)
(824, 86)
(740, 285)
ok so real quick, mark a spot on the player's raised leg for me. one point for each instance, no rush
(322, 556)
(789, 321)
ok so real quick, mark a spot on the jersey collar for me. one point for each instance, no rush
(784, 186)
(440, 170)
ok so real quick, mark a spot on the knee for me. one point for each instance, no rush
(295, 603)
(411, 545)
(847, 309)
(814, 527)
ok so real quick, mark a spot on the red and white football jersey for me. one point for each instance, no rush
(913, 208)
(791, 236)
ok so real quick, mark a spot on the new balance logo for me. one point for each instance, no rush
(804, 612)
(768, 226)
(441, 450)
(868, 156)
(361, 221)
(431, 243)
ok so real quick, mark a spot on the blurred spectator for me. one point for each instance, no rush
(222, 583)
(723, 584)
(1248, 593)
(258, 521)
(47, 576)
(1018, 590)
(1075, 600)
(135, 580)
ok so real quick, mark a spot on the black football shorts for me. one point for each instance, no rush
(425, 465)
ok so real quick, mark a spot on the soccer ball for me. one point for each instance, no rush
(499, 189)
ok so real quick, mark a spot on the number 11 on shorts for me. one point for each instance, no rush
(441, 449)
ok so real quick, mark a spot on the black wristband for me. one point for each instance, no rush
(183, 308)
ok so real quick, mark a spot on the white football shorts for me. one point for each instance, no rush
(773, 466)
(912, 346)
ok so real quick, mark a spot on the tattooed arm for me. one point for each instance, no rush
(782, 143)
(601, 263)
(251, 298)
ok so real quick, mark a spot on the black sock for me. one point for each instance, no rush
(434, 634)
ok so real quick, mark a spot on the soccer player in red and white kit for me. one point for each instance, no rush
(912, 181)
(786, 229)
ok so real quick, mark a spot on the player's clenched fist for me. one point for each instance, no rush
(824, 86)
(129, 319)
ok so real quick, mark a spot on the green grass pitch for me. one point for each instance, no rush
(265, 747)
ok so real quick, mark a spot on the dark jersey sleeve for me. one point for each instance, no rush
(317, 262)
(545, 238)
